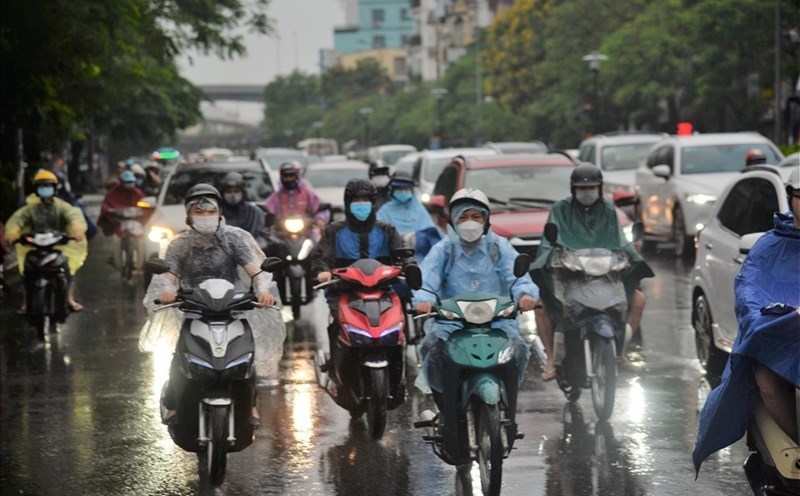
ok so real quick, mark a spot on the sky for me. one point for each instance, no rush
(302, 27)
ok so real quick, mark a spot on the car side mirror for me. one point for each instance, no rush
(624, 199)
(413, 276)
(156, 266)
(522, 264)
(551, 232)
(662, 170)
(747, 242)
(270, 264)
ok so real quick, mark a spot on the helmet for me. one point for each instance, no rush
(755, 157)
(45, 176)
(467, 198)
(585, 174)
(138, 170)
(127, 177)
(402, 178)
(201, 191)
(378, 168)
(288, 168)
(232, 180)
(794, 181)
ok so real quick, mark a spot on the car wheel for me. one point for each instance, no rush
(712, 359)
(684, 245)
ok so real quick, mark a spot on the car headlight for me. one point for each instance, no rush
(628, 232)
(478, 312)
(701, 199)
(157, 233)
(305, 249)
(294, 226)
(506, 354)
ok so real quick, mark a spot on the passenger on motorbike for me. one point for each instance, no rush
(380, 176)
(147, 179)
(209, 250)
(765, 360)
(471, 259)
(238, 212)
(586, 220)
(44, 211)
(295, 197)
(124, 194)
(404, 210)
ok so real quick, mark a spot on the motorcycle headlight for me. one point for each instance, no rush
(356, 330)
(507, 311)
(198, 361)
(393, 329)
(158, 233)
(447, 314)
(305, 249)
(239, 361)
(506, 354)
(294, 226)
(478, 312)
(701, 199)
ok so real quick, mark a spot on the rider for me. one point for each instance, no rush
(124, 194)
(209, 250)
(147, 179)
(586, 220)
(44, 211)
(403, 210)
(238, 212)
(296, 197)
(755, 157)
(379, 174)
(764, 358)
(63, 191)
(472, 259)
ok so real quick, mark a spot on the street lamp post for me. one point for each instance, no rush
(365, 112)
(438, 94)
(594, 59)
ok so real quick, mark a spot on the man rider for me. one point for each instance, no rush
(472, 259)
(379, 174)
(238, 212)
(147, 179)
(755, 157)
(765, 360)
(209, 250)
(404, 210)
(124, 194)
(295, 197)
(586, 220)
(44, 211)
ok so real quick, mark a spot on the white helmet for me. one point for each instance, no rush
(794, 180)
(471, 195)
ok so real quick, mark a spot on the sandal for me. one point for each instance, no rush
(631, 367)
(548, 375)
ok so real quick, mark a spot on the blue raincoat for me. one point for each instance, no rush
(767, 295)
(405, 217)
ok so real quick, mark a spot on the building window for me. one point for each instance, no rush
(404, 15)
(378, 41)
(399, 66)
(405, 40)
(377, 17)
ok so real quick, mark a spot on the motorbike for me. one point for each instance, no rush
(365, 371)
(216, 390)
(130, 232)
(295, 244)
(589, 284)
(45, 280)
(773, 466)
(477, 417)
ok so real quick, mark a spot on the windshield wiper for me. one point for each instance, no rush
(519, 200)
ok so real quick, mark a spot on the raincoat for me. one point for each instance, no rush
(579, 227)
(118, 197)
(406, 217)
(67, 196)
(302, 200)
(58, 215)
(767, 293)
(193, 258)
(449, 270)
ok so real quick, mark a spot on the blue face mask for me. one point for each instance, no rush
(361, 210)
(139, 181)
(403, 196)
(45, 191)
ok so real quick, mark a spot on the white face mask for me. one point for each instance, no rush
(380, 181)
(587, 197)
(470, 231)
(205, 224)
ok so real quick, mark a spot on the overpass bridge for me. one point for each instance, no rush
(234, 92)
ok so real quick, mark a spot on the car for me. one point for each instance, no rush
(792, 160)
(169, 217)
(277, 156)
(215, 154)
(618, 154)
(522, 189)
(389, 154)
(512, 147)
(681, 178)
(430, 163)
(329, 179)
(406, 163)
(746, 206)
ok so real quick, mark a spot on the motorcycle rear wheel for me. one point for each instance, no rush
(217, 449)
(490, 449)
(294, 288)
(604, 382)
(376, 406)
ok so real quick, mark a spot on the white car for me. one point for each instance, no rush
(682, 178)
(389, 154)
(430, 163)
(328, 180)
(746, 206)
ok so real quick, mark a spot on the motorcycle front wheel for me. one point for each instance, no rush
(378, 399)
(490, 449)
(294, 288)
(604, 382)
(217, 449)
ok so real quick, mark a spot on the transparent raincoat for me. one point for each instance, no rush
(231, 254)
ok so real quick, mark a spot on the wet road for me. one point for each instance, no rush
(80, 417)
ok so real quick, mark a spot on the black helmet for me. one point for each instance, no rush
(378, 168)
(289, 168)
(402, 178)
(585, 174)
(200, 191)
(232, 180)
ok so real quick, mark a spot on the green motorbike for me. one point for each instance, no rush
(477, 417)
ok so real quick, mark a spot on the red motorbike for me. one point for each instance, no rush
(366, 369)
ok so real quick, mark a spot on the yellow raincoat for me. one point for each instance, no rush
(58, 215)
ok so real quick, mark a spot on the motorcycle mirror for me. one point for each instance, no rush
(551, 232)
(271, 264)
(522, 265)
(413, 276)
(324, 206)
(404, 253)
(156, 266)
(638, 231)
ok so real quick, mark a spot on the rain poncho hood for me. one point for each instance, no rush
(405, 217)
(58, 215)
(767, 293)
(579, 227)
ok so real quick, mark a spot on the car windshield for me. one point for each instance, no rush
(334, 178)
(257, 184)
(391, 157)
(721, 158)
(434, 168)
(275, 161)
(621, 157)
(545, 183)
